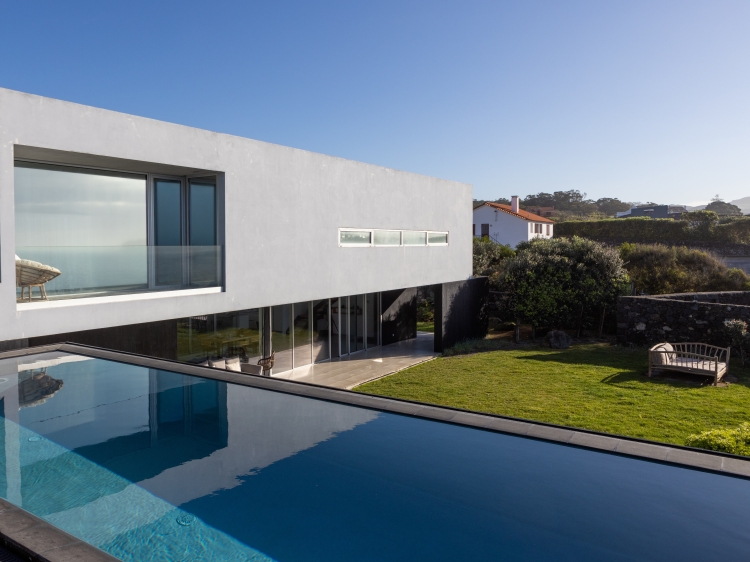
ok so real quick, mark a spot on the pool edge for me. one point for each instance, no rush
(33, 538)
(699, 459)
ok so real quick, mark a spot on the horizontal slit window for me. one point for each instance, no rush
(387, 237)
(437, 238)
(355, 237)
(415, 238)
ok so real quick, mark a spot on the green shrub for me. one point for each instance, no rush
(735, 441)
(739, 337)
(656, 269)
(563, 283)
(487, 258)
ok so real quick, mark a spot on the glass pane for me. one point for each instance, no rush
(281, 337)
(373, 320)
(320, 330)
(356, 323)
(344, 325)
(358, 237)
(227, 334)
(387, 237)
(88, 224)
(438, 238)
(168, 231)
(414, 238)
(335, 323)
(202, 213)
(302, 335)
(205, 258)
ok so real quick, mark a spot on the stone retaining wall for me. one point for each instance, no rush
(683, 317)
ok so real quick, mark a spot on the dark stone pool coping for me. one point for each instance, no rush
(30, 535)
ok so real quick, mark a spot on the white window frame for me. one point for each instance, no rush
(401, 243)
(414, 245)
(400, 237)
(344, 245)
(447, 238)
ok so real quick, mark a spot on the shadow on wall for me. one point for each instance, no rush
(399, 315)
(461, 312)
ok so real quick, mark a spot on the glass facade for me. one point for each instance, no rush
(227, 334)
(114, 232)
(300, 334)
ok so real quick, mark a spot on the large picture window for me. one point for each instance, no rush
(104, 232)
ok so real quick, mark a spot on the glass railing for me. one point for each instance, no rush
(86, 271)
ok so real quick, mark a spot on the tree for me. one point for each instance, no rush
(572, 201)
(563, 282)
(610, 206)
(487, 258)
(721, 208)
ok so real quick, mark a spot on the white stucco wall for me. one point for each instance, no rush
(283, 210)
(506, 228)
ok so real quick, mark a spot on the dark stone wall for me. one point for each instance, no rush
(10, 345)
(721, 297)
(461, 311)
(399, 315)
(694, 317)
(156, 339)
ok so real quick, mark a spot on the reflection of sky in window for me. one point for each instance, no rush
(57, 206)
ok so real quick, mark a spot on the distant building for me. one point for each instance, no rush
(546, 212)
(508, 224)
(654, 211)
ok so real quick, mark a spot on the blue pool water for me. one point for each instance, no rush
(153, 465)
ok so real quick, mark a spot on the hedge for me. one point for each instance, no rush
(644, 229)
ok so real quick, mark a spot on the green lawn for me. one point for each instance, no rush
(595, 386)
(425, 326)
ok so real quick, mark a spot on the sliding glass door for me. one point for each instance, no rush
(372, 314)
(321, 338)
(302, 335)
(168, 232)
(282, 337)
(203, 248)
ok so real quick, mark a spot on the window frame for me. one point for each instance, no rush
(401, 244)
(151, 177)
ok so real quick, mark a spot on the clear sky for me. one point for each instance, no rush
(641, 100)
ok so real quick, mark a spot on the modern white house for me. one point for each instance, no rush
(509, 224)
(155, 238)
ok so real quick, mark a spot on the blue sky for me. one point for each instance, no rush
(641, 100)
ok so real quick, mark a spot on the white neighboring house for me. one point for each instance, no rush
(508, 224)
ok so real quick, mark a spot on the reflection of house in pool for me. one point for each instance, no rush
(171, 427)
(35, 387)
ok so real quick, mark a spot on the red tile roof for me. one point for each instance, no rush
(521, 214)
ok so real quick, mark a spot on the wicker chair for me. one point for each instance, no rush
(34, 274)
(693, 358)
(267, 363)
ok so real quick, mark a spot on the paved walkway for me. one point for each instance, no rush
(365, 366)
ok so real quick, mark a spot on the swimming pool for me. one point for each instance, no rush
(149, 464)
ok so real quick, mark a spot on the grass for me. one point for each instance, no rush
(425, 326)
(593, 386)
